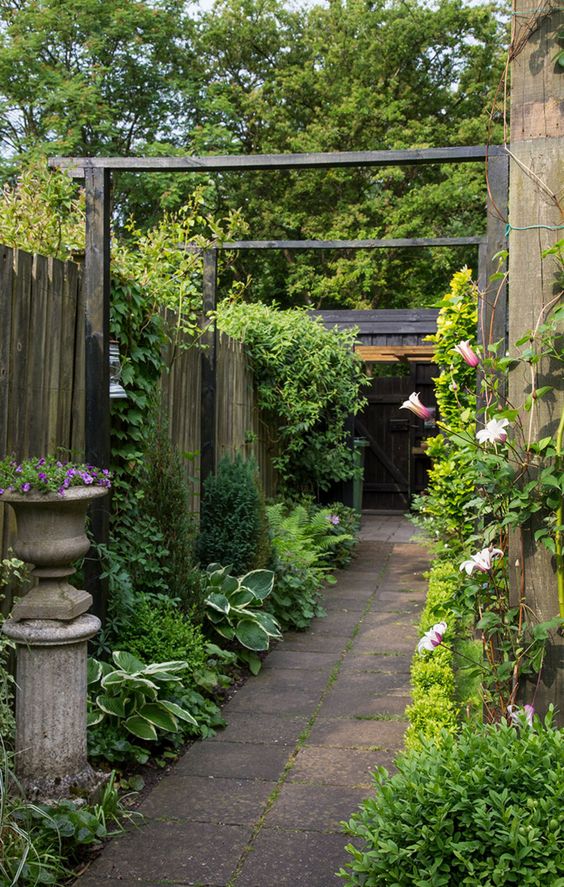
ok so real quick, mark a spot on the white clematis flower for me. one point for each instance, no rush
(494, 432)
(482, 561)
(432, 638)
(415, 405)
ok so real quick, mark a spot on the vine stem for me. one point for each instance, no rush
(559, 521)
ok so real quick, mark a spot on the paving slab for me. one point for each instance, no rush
(236, 760)
(208, 799)
(299, 659)
(314, 807)
(183, 852)
(397, 663)
(352, 733)
(338, 766)
(279, 728)
(291, 700)
(283, 858)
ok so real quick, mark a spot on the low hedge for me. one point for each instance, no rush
(435, 708)
(484, 807)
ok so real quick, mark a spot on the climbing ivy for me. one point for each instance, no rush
(309, 382)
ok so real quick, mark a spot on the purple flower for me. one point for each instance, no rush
(71, 472)
(61, 491)
(25, 488)
(1, 492)
(19, 469)
(467, 353)
(334, 519)
(432, 638)
(40, 463)
(42, 476)
(414, 404)
(87, 478)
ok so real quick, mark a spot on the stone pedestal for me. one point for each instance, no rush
(51, 760)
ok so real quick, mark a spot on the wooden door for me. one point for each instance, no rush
(395, 465)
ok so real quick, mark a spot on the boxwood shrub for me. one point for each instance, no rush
(483, 808)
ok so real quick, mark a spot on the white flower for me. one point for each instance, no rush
(494, 431)
(519, 715)
(432, 638)
(467, 353)
(482, 561)
(415, 405)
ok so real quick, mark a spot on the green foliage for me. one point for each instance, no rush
(232, 520)
(166, 501)
(309, 382)
(103, 86)
(157, 631)
(234, 609)
(443, 510)
(306, 546)
(13, 573)
(133, 696)
(39, 842)
(435, 709)
(42, 212)
(482, 808)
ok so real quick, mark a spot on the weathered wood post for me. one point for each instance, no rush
(209, 368)
(535, 217)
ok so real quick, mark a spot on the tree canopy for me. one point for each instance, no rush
(87, 77)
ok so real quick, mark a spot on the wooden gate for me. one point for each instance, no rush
(395, 465)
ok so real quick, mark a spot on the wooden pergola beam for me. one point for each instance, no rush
(382, 243)
(76, 166)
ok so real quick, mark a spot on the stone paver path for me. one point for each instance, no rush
(259, 805)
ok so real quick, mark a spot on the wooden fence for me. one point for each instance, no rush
(42, 378)
(41, 360)
(240, 427)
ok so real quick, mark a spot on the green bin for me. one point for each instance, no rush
(359, 445)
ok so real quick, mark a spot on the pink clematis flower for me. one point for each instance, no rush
(467, 353)
(415, 405)
(517, 715)
(482, 561)
(494, 431)
(432, 638)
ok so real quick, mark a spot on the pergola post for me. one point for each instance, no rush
(208, 419)
(97, 334)
(492, 318)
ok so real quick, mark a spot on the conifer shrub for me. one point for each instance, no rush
(233, 528)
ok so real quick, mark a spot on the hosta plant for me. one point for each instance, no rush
(133, 696)
(233, 606)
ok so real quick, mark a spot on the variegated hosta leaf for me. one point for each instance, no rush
(140, 728)
(94, 717)
(157, 714)
(259, 582)
(269, 623)
(111, 705)
(219, 602)
(127, 662)
(251, 635)
(179, 712)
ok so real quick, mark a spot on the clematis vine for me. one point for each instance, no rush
(467, 353)
(482, 561)
(432, 638)
(414, 404)
(494, 431)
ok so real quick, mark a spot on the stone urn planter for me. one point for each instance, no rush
(51, 536)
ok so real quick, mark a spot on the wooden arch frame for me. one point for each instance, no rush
(96, 173)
